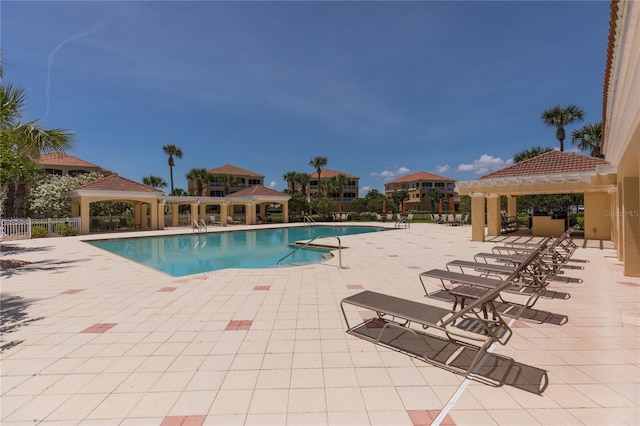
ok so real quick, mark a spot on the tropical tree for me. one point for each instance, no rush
(589, 139)
(20, 145)
(227, 182)
(303, 180)
(433, 196)
(154, 181)
(172, 151)
(339, 182)
(318, 163)
(201, 177)
(530, 153)
(374, 200)
(290, 178)
(398, 197)
(559, 117)
(323, 205)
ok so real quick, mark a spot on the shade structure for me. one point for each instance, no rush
(453, 206)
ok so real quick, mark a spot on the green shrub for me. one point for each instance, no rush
(39, 232)
(67, 230)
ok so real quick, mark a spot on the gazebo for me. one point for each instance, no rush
(554, 172)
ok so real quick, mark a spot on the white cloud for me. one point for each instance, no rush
(365, 189)
(485, 164)
(387, 175)
(273, 184)
(442, 169)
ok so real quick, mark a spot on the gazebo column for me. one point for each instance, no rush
(144, 215)
(137, 216)
(597, 224)
(285, 212)
(194, 213)
(202, 213)
(512, 205)
(250, 217)
(175, 215)
(153, 212)
(477, 217)
(493, 215)
(160, 214)
(85, 216)
(630, 225)
(224, 212)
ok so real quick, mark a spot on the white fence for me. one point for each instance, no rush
(22, 226)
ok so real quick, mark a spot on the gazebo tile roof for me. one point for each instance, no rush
(62, 159)
(117, 183)
(420, 176)
(258, 190)
(230, 169)
(549, 163)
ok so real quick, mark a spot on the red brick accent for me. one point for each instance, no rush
(629, 283)
(167, 289)
(414, 267)
(262, 287)
(426, 418)
(73, 291)
(183, 421)
(99, 328)
(238, 325)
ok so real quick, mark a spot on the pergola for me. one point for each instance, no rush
(554, 172)
(149, 203)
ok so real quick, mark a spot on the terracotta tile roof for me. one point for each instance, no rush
(328, 173)
(229, 169)
(117, 183)
(549, 163)
(257, 190)
(421, 176)
(611, 43)
(61, 159)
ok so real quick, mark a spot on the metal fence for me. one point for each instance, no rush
(23, 226)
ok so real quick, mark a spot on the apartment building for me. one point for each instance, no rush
(243, 179)
(418, 185)
(61, 164)
(350, 190)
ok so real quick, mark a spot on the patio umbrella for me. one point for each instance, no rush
(440, 206)
(453, 206)
(384, 206)
(404, 207)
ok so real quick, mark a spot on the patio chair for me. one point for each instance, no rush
(530, 279)
(508, 224)
(213, 220)
(232, 221)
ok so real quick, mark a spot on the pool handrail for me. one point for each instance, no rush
(309, 242)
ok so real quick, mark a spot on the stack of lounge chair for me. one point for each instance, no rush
(458, 338)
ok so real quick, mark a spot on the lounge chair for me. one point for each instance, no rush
(529, 278)
(508, 224)
(213, 220)
(232, 221)
(426, 331)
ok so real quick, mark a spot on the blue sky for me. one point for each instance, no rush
(381, 89)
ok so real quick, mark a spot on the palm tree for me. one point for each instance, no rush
(303, 180)
(290, 178)
(227, 181)
(21, 144)
(172, 151)
(318, 163)
(432, 195)
(154, 181)
(339, 182)
(589, 139)
(530, 153)
(201, 177)
(559, 117)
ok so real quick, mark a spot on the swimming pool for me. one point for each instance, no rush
(181, 255)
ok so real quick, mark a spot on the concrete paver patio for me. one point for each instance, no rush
(91, 338)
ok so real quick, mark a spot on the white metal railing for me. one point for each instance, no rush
(308, 220)
(22, 226)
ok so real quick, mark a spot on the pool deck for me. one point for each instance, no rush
(90, 338)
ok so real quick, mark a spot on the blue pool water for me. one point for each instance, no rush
(181, 255)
